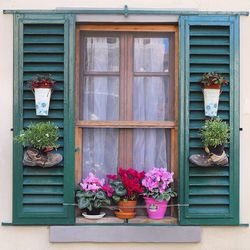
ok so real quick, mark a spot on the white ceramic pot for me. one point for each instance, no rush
(42, 99)
(211, 101)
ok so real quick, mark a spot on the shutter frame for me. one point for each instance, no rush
(186, 217)
(62, 214)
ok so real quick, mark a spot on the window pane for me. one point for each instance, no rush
(99, 98)
(102, 54)
(151, 148)
(153, 99)
(151, 54)
(100, 151)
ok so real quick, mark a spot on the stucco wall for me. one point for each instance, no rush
(36, 238)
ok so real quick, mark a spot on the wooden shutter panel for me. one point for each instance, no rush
(208, 43)
(44, 44)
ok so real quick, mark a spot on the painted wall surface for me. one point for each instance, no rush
(37, 238)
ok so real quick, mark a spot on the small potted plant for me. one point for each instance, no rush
(42, 86)
(91, 196)
(126, 187)
(214, 135)
(157, 192)
(211, 85)
(39, 139)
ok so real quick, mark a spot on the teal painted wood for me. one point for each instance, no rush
(40, 195)
(212, 194)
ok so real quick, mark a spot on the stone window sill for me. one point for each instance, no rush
(139, 229)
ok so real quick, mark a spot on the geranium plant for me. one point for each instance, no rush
(127, 185)
(91, 194)
(42, 81)
(213, 78)
(156, 184)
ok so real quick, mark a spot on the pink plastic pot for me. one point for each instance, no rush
(156, 209)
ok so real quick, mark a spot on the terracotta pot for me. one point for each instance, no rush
(212, 86)
(126, 209)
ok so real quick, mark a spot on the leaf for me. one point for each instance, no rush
(100, 195)
(120, 190)
(89, 194)
(116, 198)
(83, 203)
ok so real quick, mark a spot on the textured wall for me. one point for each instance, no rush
(36, 238)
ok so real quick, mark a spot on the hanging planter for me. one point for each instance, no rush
(40, 140)
(212, 83)
(42, 87)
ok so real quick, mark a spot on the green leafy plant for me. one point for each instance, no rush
(212, 78)
(90, 193)
(40, 136)
(214, 132)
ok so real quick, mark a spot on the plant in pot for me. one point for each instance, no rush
(211, 85)
(125, 189)
(91, 196)
(42, 86)
(157, 192)
(40, 139)
(214, 135)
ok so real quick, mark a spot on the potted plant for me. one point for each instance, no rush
(157, 192)
(91, 196)
(42, 86)
(214, 135)
(211, 85)
(125, 189)
(39, 139)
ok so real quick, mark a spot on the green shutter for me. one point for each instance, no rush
(208, 43)
(44, 44)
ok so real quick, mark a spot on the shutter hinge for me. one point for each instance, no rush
(241, 129)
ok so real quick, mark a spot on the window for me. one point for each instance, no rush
(126, 111)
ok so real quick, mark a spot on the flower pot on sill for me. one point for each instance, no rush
(211, 99)
(155, 209)
(126, 209)
(42, 100)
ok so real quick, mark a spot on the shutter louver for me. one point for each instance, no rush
(42, 192)
(208, 44)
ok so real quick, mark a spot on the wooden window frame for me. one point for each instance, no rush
(125, 124)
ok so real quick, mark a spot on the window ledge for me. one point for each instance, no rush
(125, 233)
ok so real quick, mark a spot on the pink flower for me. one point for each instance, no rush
(92, 183)
(108, 190)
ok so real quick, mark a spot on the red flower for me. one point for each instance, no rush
(108, 190)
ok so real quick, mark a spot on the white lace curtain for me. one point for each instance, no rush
(101, 102)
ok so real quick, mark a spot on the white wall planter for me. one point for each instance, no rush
(42, 100)
(211, 101)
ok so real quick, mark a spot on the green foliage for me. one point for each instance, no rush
(119, 190)
(214, 132)
(40, 136)
(166, 195)
(213, 78)
(90, 200)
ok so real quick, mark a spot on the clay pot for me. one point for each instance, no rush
(126, 209)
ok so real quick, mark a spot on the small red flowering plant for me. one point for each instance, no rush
(42, 81)
(91, 193)
(126, 185)
(156, 184)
